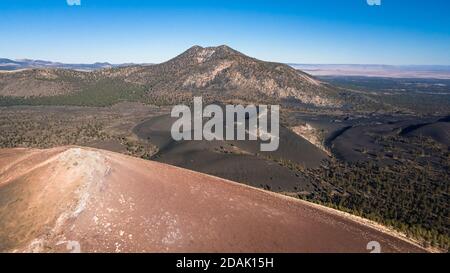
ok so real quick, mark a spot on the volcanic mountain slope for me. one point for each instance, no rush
(67, 198)
(42, 82)
(215, 72)
(223, 71)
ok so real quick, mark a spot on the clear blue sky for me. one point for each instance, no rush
(301, 31)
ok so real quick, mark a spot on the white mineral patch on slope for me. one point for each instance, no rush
(80, 168)
(311, 134)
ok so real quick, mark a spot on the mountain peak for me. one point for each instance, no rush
(198, 54)
(219, 47)
(194, 48)
(213, 68)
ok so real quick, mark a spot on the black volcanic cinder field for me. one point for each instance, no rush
(236, 160)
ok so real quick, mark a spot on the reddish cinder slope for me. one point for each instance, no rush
(91, 200)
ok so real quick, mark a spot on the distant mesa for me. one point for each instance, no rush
(371, 70)
(11, 65)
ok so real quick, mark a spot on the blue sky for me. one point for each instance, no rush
(302, 31)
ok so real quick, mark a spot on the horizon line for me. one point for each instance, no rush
(153, 63)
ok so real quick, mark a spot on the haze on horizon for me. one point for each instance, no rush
(315, 32)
